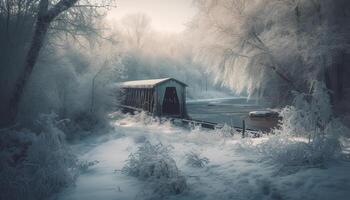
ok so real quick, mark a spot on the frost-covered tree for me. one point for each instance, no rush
(137, 27)
(38, 19)
(270, 47)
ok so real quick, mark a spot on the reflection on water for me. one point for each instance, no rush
(230, 111)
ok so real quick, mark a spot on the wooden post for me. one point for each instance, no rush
(243, 128)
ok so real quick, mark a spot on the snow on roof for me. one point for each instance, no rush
(150, 83)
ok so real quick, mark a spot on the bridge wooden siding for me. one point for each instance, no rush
(153, 96)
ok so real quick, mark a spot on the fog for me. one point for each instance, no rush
(61, 62)
(126, 49)
(151, 54)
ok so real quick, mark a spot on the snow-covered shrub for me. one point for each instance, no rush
(195, 127)
(80, 125)
(84, 124)
(153, 163)
(309, 115)
(308, 133)
(35, 166)
(226, 131)
(194, 159)
(288, 151)
(84, 166)
(145, 118)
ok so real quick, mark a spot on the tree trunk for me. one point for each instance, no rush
(45, 17)
(335, 77)
(37, 42)
(340, 77)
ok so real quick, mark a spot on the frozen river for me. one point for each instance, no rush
(231, 111)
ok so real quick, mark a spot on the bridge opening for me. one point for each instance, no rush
(171, 104)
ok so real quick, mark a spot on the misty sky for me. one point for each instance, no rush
(167, 15)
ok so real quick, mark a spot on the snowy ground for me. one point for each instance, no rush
(235, 170)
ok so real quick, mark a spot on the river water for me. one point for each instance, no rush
(231, 110)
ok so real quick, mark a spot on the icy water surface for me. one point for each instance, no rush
(231, 111)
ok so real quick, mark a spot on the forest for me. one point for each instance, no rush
(63, 134)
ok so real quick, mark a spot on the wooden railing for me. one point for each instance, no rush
(205, 124)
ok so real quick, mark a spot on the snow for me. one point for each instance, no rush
(261, 112)
(264, 114)
(235, 169)
(146, 83)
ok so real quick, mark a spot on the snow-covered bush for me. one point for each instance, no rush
(308, 133)
(145, 118)
(309, 115)
(287, 151)
(83, 124)
(35, 165)
(195, 127)
(226, 131)
(84, 166)
(194, 159)
(153, 163)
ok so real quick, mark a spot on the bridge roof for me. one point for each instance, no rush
(150, 83)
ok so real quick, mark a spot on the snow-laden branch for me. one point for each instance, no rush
(60, 7)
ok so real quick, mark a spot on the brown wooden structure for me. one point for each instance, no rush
(160, 97)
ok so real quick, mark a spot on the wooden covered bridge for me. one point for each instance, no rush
(160, 97)
(164, 97)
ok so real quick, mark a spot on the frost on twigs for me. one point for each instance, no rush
(194, 159)
(152, 163)
(308, 134)
(146, 119)
(84, 166)
(226, 131)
